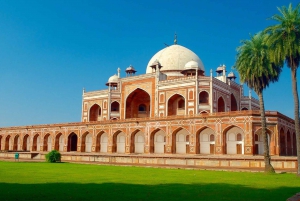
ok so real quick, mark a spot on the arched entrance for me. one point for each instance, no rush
(17, 143)
(180, 141)
(59, 142)
(72, 142)
(282, 143)
(294, 145)
(36, 143)
(289, 144)
(83, 142)
(7, 143)
(138, 104)
(203, 97)
(234, 138)
(26, 142)
(234, 106)
(158, 142)
(176, 105)
(88, 142)
(0, 142)
(103, 143)
(206, 141)
(115, 106)
(119, 140)
(137, 142)
(47, 142)
(259, 142)
(95, 112)
(221, 105)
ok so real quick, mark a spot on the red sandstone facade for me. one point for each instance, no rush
(173, 108)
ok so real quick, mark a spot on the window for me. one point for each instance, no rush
(203, 97)
(142, 108)
(239, 137)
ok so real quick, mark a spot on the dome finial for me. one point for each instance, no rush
(175, 39)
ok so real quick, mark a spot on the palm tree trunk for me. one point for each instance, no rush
(296, 104)
(267, 158)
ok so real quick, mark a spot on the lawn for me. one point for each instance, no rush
(67, 181)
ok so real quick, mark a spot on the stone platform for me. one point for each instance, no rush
(220, 162)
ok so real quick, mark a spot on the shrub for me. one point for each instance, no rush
(53, 156)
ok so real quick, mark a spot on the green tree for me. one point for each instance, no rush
(284, 42)
(257, 71)
(53, 156)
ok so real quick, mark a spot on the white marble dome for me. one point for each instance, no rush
(113, 79)
(174, 58)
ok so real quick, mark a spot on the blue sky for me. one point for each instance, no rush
(51, 50)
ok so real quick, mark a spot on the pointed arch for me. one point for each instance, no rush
(115, 106)
(233, 140)
(259, 141)
(282, 142)
(205, 141)
(221, 104)
(98, 141)
(36, 142)
(72, 142)
(294, 144)
(180, 141)
(289, 144)
(158, 141)
(47, 145)
(86, 142)
(119, 142)
(203, 97)
(0, 142)
(176, 105)
(95, 112)
(102, 142)
(234, 105)
(59, 142)
(7, 143)
(134, 100)
(16, 144)
(137, 142)
(26, 142)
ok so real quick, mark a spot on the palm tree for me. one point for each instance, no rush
(257, 71)
(284, 42)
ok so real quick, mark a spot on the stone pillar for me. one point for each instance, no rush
(211, 93)
(109, 149)
(147, 149)
(197, 93)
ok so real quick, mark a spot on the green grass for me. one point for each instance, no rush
(66, 181)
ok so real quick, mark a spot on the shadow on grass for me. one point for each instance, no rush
(120, 191)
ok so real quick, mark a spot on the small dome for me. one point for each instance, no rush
(155, 63)
(231, 75)
(191, 65)
(220, 68)
(130, 68)
(113, 78)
